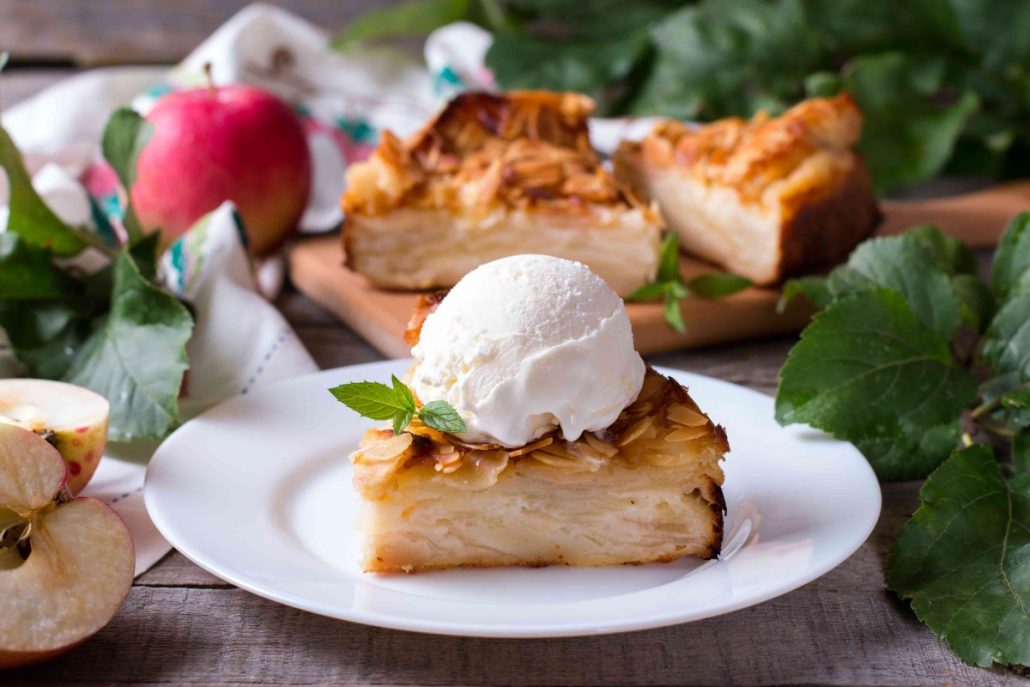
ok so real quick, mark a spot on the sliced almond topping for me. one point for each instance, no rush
(686, 434)
(636, 430)
(384, 451)
(683, 415)
(602, 447)
(529, 448)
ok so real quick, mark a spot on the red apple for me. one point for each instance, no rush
(66, 564)
(214, 144)
(72, 419)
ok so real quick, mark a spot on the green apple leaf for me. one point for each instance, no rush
(125, 136)
(1021, 453)
(815, 289)
(30, 217)
(44, 335)
(27, 273)
(713, 59)
(906, 264)
(136, 356)
(964, 559)
(867, 367)
(441, 416)
(412, 18)
(951, 255)
(911, 453)
(912, 129)
(1006, 345)
(1010, 271)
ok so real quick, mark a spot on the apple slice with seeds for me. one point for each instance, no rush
(70, 417)
(66, 564)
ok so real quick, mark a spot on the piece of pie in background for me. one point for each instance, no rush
(766, 198)
(492, 176)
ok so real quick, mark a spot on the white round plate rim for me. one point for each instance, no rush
(165, 506)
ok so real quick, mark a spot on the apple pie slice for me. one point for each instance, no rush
(493, 176)
(767, 198)
(646, 489)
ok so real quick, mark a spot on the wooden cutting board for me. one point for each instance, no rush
(316, 268)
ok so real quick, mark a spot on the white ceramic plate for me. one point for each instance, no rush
(257, 491)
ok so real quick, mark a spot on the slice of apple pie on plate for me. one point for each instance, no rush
(572, 451)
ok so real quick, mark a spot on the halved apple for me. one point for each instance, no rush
(66, 564)
(70, 417)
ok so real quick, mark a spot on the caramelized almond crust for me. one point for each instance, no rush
(796, 176)
(646, 489)
(490, 176)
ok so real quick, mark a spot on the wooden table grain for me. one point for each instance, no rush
(182, 626)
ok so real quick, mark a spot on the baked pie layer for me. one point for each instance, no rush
(493, 176)
(646, 489)
(766, 198)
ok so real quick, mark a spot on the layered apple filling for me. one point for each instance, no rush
(493, 176)
(645, 489)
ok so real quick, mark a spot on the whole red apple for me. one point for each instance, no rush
(214, 144)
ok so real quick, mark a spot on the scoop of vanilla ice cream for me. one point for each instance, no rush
(527, 343)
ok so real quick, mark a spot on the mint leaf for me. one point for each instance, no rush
(30, 217)
(668, 284)
(441, 416)
(717, 285)
(374, 400)
(405, 19)
(1010, 271)
(648, 292)
(911, 453)
(815, 289)
(136, 356)
(906, 264)
(964, 559)
(867, 367)
(669, 258)
(1006, 345)
(673, 312)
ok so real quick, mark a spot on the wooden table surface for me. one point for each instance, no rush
(182, 626)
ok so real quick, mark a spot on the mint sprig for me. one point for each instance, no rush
(913, 359)
(671, 288)
(395, 402)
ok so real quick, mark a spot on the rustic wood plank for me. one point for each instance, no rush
(226, 636)
(137, 31)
